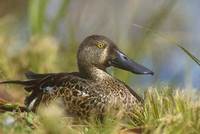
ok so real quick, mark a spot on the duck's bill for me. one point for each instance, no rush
(121, 61)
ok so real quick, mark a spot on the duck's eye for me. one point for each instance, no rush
(100, 44)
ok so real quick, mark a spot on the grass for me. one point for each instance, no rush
(166, 110)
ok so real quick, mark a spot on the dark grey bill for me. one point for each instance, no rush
(121, 61)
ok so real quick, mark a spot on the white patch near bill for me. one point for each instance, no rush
(104, 55)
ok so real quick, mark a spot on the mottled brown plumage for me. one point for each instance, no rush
(91, 90)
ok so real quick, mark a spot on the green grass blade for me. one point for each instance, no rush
(36, 14)
(60, 14)
(195, 59)
(190, 55)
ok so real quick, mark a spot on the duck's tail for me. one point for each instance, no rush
(31, 76)
(6, 106)
(29, 85)
(19, 82)
(30, 100)
(34, 85)
(26, 83)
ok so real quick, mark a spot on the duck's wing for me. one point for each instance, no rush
(32, 75)
(37, 84)
(140, 99)
(35, 79)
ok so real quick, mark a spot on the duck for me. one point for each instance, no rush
(90, 90)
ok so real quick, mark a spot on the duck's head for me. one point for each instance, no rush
(99, 52)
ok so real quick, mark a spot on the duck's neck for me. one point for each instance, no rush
(94, 73)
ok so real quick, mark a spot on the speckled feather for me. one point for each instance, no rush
(82, 97)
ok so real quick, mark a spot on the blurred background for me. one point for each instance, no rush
(43, 36)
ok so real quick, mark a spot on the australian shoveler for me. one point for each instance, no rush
(90, 90)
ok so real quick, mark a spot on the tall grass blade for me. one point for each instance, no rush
(190, 54)
(60, 14)
(195, 59)
(37, 10)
